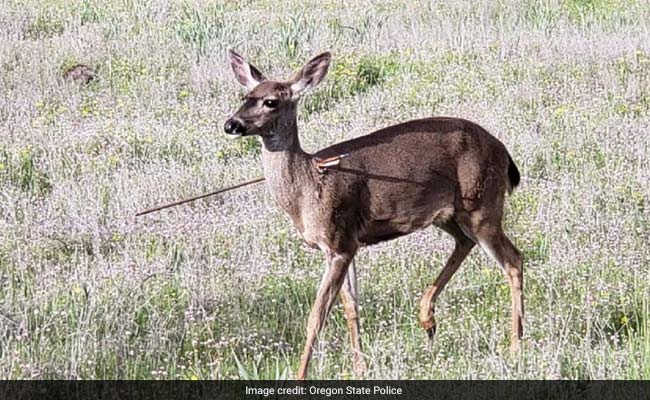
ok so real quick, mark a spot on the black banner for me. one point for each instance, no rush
(325, 390)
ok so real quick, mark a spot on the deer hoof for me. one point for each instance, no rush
(431, 332)
(359, 369)
(514, 347)
(430, 328)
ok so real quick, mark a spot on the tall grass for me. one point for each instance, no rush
(221, 288)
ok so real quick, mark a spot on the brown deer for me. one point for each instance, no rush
(447, 172)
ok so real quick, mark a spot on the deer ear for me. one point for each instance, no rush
(245, 73)
(310, 75)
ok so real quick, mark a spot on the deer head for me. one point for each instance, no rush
(270, 106)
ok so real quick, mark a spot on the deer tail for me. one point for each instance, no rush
(513, 175)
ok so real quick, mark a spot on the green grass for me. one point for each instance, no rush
(351, 77)
(221, 288)
(23, 171)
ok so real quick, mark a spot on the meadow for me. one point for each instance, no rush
(221, 288)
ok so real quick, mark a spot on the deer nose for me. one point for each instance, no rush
(234, 127)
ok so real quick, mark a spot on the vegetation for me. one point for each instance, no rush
(221, 288)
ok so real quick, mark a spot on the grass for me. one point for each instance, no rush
(222, 288)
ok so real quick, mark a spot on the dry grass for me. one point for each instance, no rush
(221, 288)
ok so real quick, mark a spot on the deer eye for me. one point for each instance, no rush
(271, 103)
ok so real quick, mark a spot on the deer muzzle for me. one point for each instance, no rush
(234, 127)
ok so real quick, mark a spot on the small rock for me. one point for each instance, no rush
(80, 73)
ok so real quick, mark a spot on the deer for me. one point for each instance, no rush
(441, 171)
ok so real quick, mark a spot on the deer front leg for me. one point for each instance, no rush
(349, 296)
(329, 288)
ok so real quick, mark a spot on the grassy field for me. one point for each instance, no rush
(221, 288)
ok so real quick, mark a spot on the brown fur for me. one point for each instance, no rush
(447, 172)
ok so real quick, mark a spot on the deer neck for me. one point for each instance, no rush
(288, 168)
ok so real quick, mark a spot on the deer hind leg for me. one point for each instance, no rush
(427, 304)
(330, 286)
(349, 298)
(500, 248)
